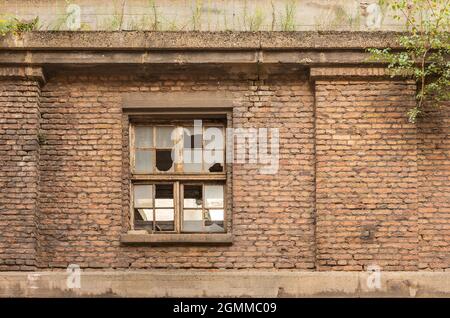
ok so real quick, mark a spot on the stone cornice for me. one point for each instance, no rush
(140, 40)
(34, 73)
(136, 50)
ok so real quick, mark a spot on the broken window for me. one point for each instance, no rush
(203, 208)
(155, 149)
(154, 207)
(178, 176)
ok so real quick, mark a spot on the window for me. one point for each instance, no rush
(178, 176)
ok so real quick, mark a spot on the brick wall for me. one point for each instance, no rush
(83, 171)
(19, 173)
(434, 189)
(357, 184)
(366, 175)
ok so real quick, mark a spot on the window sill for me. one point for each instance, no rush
(176, 239)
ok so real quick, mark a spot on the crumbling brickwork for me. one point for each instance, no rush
(19, 171)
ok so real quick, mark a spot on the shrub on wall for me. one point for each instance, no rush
(426, 50)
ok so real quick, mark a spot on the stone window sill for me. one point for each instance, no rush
(134, 237)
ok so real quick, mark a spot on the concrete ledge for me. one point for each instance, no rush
(95, 48)
(138, 40)
(177, 239)
(34, 73)
(182, 283)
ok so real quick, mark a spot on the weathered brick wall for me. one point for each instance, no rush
(81, 189)
(357, 184)
(367, 176)
(434, 188)
(19, 171)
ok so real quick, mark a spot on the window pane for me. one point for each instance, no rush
(192, 160)
(143, 214)
(164, 220)
(215, 215)
(143, 136)
(192, 196)
(164, 160)
(143, 196)
(163, 137)
(192, 221)
(214, 138)
(214, 221)
(214, 196)
(190, 139)
(164, 195)
(214, 226)
(214, 160)
(164, 215)
(214, 149)
(144, 161)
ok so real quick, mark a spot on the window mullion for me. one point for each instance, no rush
(177, 206)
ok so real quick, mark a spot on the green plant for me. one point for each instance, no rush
(115, 22)
(61, 21)
(197, 15)
(256, 20)
(274, 20)
(16, 26)
(288, 18)
(426, 50)
(156, 23)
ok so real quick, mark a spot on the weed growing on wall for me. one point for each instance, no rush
(288, 16)
(16, 26)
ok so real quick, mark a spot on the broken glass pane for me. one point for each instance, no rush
(192, 196)
(214, 220)
(214, 196)
(164, 160)
(164, 137)
(143, 196)
(164, 195)
(144, 137)
(144, 214)
(215, 215)
(216, 167)
(143, 161)
(214, 149)
(214, 160)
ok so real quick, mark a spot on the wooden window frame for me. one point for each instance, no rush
(177, 178)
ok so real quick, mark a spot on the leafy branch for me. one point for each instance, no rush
(425, 50)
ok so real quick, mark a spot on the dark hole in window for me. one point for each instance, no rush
(137, 215)
(217, 167)
(164, 191)
(164, 160)
(193, 192)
